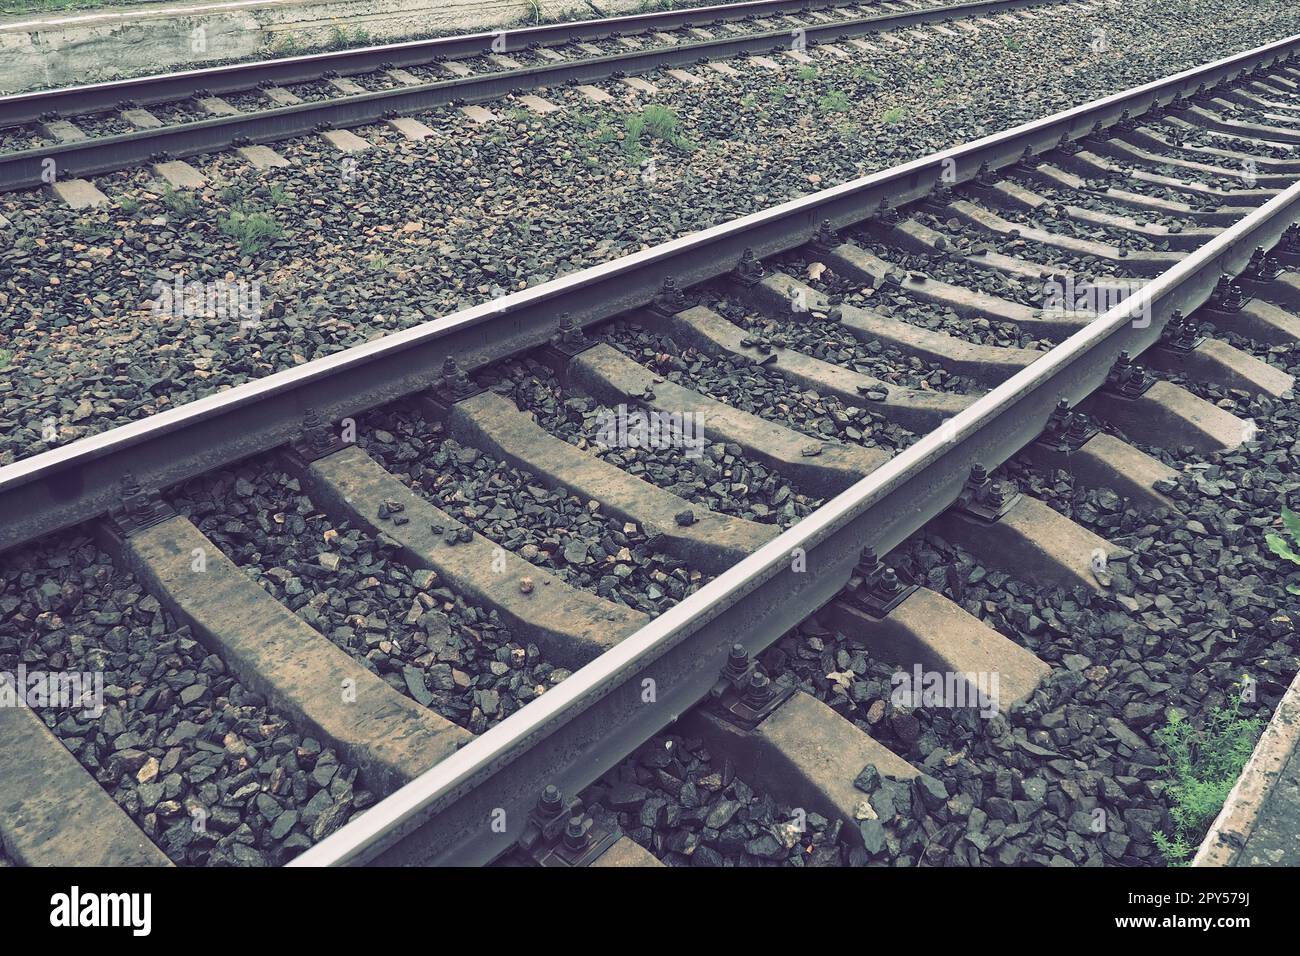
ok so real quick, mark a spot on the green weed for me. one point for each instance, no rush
(252, 230)
(1287, 549)
(182, 203)
(1204, 765)
(834, 102)
(657, 122)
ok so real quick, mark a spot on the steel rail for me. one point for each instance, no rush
(28, 107)
(29, 168)
(574, 733)
(80, 481)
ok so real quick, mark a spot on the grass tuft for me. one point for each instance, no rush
(657, 122)
(182, 203)
(1204, 764)
(834, 102)
(252, 230)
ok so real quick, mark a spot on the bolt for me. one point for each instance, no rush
(130, 487)
(759, 691)
(576, 836)
(999, 493)
(737, 660)
(889, 583)
(551, 802)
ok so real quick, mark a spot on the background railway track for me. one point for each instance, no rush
(92, 130)
(848, 384)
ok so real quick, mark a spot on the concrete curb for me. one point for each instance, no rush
(88, 46)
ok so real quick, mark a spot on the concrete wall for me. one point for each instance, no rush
(90, 46)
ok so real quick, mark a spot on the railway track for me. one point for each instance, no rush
(862, 362)
(52, 135)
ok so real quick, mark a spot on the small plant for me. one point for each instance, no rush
(92, 230)
(129, 205)
(6, 356)
(42, 6)
(181, 203)
(660, 123)
(635, 126)
(867, 75)
(252, 230)
(604, 133)
(1204, 765)
(1013, 43)
(279, 195)
(893, 115)
(834, 102)
(340, 38)
(1284, 549)
(806, 73)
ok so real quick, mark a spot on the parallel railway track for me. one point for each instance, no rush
(1216, 235)
(205, 122)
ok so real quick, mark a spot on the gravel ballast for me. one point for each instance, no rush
(743, 383)
(352, 247)
(719, 478)
(549, 528)
(210, 772)
(817, 334)
(690, 807)
(1076, 775)
(424, 640)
